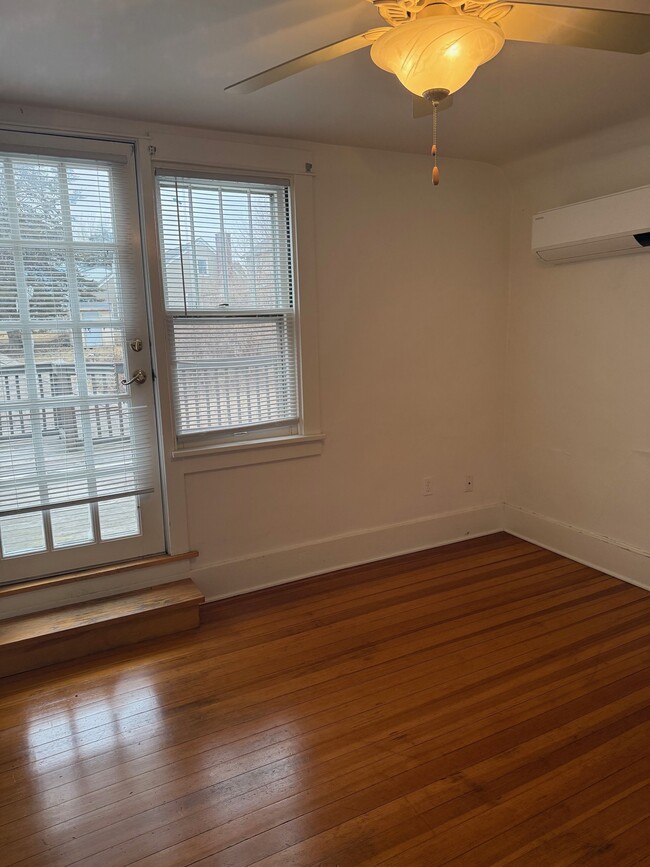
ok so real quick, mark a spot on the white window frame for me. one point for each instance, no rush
(190, 443)
(215, 454)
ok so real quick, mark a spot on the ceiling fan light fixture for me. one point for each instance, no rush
(437, 53)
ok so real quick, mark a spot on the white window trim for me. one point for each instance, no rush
(253, 452)
(285, 429)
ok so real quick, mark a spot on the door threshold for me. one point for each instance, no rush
(96, 572)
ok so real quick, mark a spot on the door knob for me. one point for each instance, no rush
(139, 376)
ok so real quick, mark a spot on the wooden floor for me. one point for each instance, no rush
(483, 703)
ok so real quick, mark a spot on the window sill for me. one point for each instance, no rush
(226, 455)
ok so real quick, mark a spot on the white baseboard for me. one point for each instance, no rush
(608, 555)
(279, 566)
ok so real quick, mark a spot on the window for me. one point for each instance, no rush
(73, 445)
(232, 333)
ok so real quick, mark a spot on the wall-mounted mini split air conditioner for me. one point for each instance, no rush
(607, 226)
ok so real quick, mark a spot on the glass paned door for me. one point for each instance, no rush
(79, 471)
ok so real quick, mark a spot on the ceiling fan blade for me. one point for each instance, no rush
(628, 32)
(422, 107)
(305, 61)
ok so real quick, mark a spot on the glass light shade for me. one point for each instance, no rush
(439, 52)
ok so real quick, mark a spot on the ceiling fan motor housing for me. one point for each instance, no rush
(396, 12)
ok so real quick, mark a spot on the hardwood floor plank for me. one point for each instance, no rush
(373, 849)
(524, 568)
(188, 804)
(386, 835)
(622, 848)
(314, 670)
(353, 580)
(52, 778)
(636, 698)
(521, 568)
(457, 825)
(487, 702)
(426, 681)
(560, 817)
(263, 843)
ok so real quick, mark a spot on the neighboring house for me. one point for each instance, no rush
(212, 277)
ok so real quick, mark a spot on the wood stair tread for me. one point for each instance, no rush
(85, 615)
(84, 628)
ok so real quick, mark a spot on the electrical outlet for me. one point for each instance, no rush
(427, 486)
(469, 484)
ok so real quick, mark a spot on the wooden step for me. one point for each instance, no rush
(35, 640)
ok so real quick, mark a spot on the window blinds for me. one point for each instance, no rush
(229, 296)
(68, 431)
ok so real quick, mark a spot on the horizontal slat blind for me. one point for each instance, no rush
(229, 297)
(45, 471)
(67, 431)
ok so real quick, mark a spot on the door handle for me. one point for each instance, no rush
(139, 376)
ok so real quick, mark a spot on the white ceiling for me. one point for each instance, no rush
(169, 60)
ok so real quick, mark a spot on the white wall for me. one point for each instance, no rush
(578, 419)
(412, 289)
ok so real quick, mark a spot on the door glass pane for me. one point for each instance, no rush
(4, 207)
(37, 188)
(8, 291)
(22, 534)
(47, 282)
(72, 526)
(119, 518)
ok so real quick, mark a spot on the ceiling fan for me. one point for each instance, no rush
(434, 47)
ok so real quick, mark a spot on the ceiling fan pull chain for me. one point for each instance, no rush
(435, 174)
